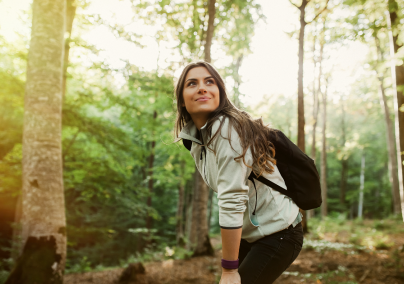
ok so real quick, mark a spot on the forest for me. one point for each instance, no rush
(94, 184)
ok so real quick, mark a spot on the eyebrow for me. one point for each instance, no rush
(193, 79)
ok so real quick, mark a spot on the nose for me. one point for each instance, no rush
(202, 89)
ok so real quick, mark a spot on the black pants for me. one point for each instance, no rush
(263, 261)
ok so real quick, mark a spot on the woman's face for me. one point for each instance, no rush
(201, 94)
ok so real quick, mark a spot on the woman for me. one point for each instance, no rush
(260, 227)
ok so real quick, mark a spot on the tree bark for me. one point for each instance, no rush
(202, 245)
(343, 182)
(324, 209)
(393, 171)
(398, 84)
(199, 234)
(300, 95)
(70, 14)
(149, 220)
(237, 81)
(362, 186)
(344, 159)
(43, 207)
(180, 209)
(210, 31)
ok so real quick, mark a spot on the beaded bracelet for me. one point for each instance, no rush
(230, 264)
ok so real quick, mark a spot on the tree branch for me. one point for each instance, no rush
(294, 4)
(319, 13)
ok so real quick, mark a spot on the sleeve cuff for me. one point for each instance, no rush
(230, 219)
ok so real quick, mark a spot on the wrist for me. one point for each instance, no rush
(225, 270)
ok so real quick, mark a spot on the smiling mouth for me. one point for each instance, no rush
(203, 99)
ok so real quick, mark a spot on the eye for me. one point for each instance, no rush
(210, 81)
(191, 83)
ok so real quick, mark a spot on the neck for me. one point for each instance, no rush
(200, 120)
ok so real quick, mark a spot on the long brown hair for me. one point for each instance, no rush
(253, 133)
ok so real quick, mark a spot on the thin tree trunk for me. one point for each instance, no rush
(43, 207)
(180, 209)
(344, 159)
(362, 186)
(344, 171)
(324, 209)
(149, 220)
(210, 31)
(190, 233)
(199, 218)
(300, 95)
(397, 73)
(17, 244)
(199, 234)
(210, 208)
(237, 81)
(70, 14)
(392, 165)
(198, 183)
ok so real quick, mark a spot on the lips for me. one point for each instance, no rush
(203, 99)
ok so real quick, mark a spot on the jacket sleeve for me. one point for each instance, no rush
(232, 177)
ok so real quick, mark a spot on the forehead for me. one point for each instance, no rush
(198, 73)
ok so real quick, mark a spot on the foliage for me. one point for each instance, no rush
(116, 119)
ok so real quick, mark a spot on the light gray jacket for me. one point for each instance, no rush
(236, 194)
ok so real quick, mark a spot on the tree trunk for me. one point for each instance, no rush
(202, 245)
(17, 244)
(199, 234)
(237, 81)
(392, 166)
(362, 186)
(344, 159)
(149, 220)
(316, 100)
(343, 182)
(70, 14)
(43, 207)
(210, 208)
(210, 31)
(398, 83)
(190, 233)
(324, 209)
(180, 209)
(300, 95)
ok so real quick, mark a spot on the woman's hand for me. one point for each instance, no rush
(230, 276)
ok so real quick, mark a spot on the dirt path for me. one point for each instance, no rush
(312, 266)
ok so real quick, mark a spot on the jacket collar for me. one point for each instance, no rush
(189, 132)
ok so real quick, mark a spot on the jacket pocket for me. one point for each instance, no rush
(253, 218)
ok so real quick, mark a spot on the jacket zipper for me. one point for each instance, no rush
(204, 166)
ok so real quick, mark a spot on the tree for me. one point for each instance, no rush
(200, 228)
(398, 84)
(324, 208)
(300, 96)
(395, 189)
(362, 186)
(43, 209)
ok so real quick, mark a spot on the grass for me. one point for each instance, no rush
(359, 234)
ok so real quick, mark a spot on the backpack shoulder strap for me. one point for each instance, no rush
(270, 184)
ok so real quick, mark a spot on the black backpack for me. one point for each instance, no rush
(297, 169)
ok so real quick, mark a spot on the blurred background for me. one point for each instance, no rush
(130, 192)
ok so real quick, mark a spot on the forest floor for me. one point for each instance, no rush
(361, 252)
